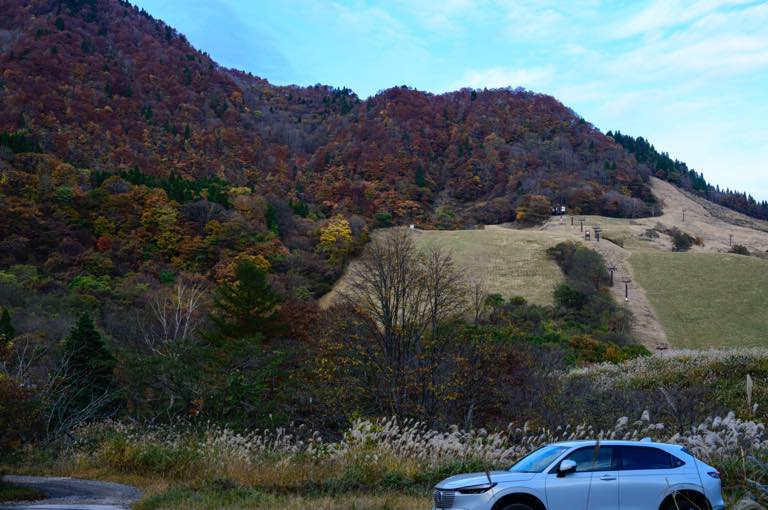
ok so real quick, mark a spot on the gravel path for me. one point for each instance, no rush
(74, 494)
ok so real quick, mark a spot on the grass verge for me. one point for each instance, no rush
(215, 497)
(10, 492)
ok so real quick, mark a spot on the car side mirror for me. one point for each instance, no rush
(565, 467)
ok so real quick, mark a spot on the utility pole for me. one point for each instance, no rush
(612, 268)
(627, 280)
(598, 231)
(684, 210)
(730, 239)
(581, 222)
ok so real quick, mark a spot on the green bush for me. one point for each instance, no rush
(568, 297)
(64, 194)
(682, 241)
(383, 219)
(87, 282)
(739, 249)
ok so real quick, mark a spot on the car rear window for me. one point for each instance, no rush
(644, 457)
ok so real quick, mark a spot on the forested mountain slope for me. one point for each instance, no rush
(102, 85)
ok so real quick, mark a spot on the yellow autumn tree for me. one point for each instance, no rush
(161, 219)
(336, 239)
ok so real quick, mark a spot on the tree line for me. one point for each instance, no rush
(678, 173)
(410, 337)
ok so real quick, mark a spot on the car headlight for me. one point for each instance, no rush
(476, 489)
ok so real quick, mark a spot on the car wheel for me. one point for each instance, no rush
(516, 506)
(683, 504)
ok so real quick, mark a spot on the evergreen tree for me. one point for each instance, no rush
(420, 180)
(6, 327)
(243, 369)
(247, 308)
(89, 366)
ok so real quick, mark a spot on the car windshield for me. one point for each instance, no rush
(538, 461)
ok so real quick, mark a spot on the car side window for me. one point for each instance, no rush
(646, 457)
(591, 458)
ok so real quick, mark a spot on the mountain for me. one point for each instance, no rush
(103, 85)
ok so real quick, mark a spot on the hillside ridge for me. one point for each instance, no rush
(103, 85)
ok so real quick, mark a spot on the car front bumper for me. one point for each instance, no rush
(471, 502)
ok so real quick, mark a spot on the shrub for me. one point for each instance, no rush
(90, 283)
(568, 297)
(682, 241)
(19, 414)
(376, 454)
(533, 209)
(739, 249)
(651, 233)
(383, 219)
(618, 241)
(64, 194)
(584, 268)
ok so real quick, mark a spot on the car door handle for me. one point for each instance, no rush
(607, 478)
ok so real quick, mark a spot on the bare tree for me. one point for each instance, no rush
(386, 291)
(172, 318)
(445, 297)
(24, 352)
(404, 296)
(445, 288)
(478, 300)
(169, 330)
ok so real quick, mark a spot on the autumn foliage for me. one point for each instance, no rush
(101, 84)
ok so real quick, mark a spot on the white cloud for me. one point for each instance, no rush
(444, 16)
(662, 14)
(717, 43)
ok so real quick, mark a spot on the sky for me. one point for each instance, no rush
(689, 76)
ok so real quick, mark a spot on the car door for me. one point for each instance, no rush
(593, 486)
(645, 475)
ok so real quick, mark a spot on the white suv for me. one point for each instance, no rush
(590, 475)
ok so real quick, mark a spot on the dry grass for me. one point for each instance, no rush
(507, 261)
(381, 464)
(185, 498)
(701, 299)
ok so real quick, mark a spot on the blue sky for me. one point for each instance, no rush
(692, 77)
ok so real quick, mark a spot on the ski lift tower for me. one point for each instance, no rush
(627, 280)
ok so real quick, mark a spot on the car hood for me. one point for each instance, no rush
(456, 482)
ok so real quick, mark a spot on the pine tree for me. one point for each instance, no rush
(420, 180)
(243, 366)
(88, 365)
(247, 308)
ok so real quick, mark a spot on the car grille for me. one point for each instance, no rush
(443, 498)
